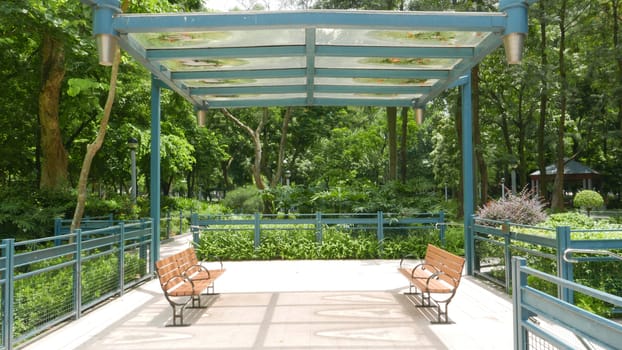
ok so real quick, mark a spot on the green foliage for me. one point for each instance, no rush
(43, 297)
(523, 208)
(576, 221)
(588, 200)
(27, 216)
(245, 199)
(337, 243)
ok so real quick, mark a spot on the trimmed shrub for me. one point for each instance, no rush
(244, 200)
(523, 208)
(588, 200)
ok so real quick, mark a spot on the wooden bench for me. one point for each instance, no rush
(183, 279)
(435, 278)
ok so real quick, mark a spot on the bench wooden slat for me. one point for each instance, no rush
(182, 275)
(439, 273)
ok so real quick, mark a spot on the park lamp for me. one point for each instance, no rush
(132, 143)
(515, 30)
(105, 35)
(201, 117)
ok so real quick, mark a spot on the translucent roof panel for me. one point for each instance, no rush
(367, 58)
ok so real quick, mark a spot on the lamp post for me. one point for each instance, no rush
(288, 174)
(513, 175)
(132, 144)
(503, 187)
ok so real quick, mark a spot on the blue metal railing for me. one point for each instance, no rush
(49, 280)
(379, 222)
(536, 312)
(496, 242)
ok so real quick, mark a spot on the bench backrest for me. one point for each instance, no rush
(166, 269)
(187, 260)
(450, 264)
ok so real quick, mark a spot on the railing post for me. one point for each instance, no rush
(443, 228)
(77, 275)
(380, 226)
(8, 299)
(520, 315)
(318, 227)
(168, 225)
(257, 238)
(142, 254)
(564, 268)
(57, 225)
(507, 253)
(469, 244)
(194, 227)
(181, 220)
(121, 258)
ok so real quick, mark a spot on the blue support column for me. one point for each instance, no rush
(467, 171)
(154, 191)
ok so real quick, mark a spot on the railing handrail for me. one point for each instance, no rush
(529, 303)
(38, 257)
(589, 251)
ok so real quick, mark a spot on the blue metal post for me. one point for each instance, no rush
(8, 299)
(77, 275)
(257, 237)
(521, 315)
(194, 222)
(154, 192)
(318, 227)
(467, 171)
(142, 250)
(121, 258)
(380, 225)
(507, 253)
(443, 228)
(57, 226)
(564, 268)
(181, 220)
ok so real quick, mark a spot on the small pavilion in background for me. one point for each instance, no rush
(577, 176)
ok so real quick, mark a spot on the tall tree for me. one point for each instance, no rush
(54, 163)
(392, 141)
(255, 135)
(557, 200)
(404, 146)
(544, 99)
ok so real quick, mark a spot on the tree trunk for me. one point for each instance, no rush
(279, 166)
(256, 138)
(54, 160)
(557, 201)
(477, 137)
(93, 148)
(392, 140)
(404, 146)
(460, 190)
(543, 106)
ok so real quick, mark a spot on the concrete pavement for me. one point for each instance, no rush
(293, 305)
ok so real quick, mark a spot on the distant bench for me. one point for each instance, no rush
(183, 279)
(435, 278)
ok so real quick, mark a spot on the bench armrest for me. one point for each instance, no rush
(214, 258)
(408, 256)
(176, 280)
(425, 266)
(437, 275)
(194, 269)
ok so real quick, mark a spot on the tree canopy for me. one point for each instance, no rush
(562, 102)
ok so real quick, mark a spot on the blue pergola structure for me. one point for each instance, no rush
(310, 58)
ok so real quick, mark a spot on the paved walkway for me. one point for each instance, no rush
(294, 305)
